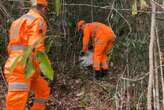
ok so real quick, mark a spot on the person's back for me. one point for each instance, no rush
(103, 38)
(26, 31)
(100, 30)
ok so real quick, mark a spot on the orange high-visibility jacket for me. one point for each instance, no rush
(26, 31)
(96, 30)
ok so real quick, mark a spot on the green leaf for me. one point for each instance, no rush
(45, 65)
(143, 4)
(27, 53)
(49, 45)
(13, 66)
(22, 59)
(134, 8)
(29, 70)
(57, 4)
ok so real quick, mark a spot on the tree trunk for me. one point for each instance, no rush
(156, 84)
(161, 68)
(151, 62)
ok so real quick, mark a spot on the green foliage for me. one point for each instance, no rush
(49, 45)
(13, 66)
(27, 52)
(26, 61)
(57, 5)
(29, 70)
(44, 65)
(134, 8)
(143, 4)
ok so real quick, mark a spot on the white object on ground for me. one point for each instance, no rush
(87, 59)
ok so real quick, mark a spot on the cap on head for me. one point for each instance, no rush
(79, 24)
(42, 2)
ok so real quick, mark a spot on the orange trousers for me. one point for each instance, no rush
(100, 59)
(19, 87)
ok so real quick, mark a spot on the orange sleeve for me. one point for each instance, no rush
(17, 30)
(112, 35)
(112, 38)
(86, 38)
(36, 34)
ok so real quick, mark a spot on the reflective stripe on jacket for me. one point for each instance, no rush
(27, 30)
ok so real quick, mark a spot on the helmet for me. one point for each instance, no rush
(79, 24)
(43, 2)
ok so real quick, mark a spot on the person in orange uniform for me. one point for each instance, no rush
(103, 38)
(26, 31)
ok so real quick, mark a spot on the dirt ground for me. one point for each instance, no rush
(76, 92)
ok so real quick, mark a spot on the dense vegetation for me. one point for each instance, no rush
(72, 88)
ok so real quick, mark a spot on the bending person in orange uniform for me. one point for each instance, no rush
(103, 38)
(25, 31)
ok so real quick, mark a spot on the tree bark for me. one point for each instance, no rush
(151, 62)
(156, 84)
(161, 68)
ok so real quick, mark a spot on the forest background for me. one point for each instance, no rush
(137, 82)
